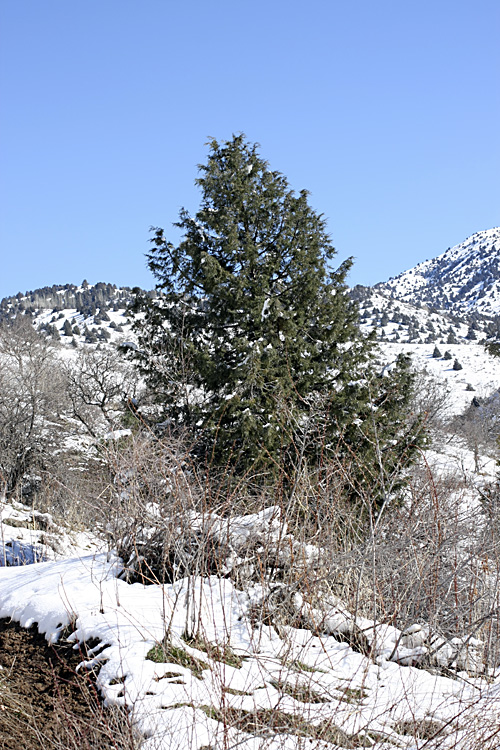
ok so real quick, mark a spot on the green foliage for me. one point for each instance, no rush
(492, 342)
(382, 441)
(166, 652)
(252, 343)
(216, 652)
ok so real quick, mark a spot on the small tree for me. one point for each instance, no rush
(457, 365)
(30, 399)
(492, 342)
(252, 341)
(98, 383)
(436, 353)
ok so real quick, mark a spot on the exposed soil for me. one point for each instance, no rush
(45, 703)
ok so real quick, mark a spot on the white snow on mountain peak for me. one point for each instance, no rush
(465, 278)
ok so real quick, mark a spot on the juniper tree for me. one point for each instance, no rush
(251, 341)
(492, 342)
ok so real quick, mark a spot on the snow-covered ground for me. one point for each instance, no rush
(479, 376)
(224, 679)
(198, 669)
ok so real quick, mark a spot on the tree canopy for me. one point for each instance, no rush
(252, 341)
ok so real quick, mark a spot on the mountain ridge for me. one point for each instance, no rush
(452, 298)
(465, 279)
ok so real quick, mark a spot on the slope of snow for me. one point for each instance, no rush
(465, 278)
(479, 376)
(177, 708)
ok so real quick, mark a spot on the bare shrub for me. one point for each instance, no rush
(436, 562)
(479, 425)
(433, 398)
(30, 404)
(99, 382)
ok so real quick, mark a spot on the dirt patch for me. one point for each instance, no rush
(45, 703)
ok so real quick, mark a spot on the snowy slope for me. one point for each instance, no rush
(464, 279)
(256, 682)
(479, 376)
(248, 685)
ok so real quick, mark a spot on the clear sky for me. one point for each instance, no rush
(387, 111)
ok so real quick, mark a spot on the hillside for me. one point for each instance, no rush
(209, 614)
(70, 314)
(463, 280)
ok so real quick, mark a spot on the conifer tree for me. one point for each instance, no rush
(252, 341)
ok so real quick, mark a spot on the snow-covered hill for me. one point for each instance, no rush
(465, 371)
(206, 662)
(264, 637)
(464, 279)
(75, 315)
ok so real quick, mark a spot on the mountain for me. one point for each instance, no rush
(88, 313)
(463, 280)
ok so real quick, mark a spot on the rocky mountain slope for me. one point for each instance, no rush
(464, 279)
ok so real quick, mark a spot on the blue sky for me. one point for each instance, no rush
(387, 112)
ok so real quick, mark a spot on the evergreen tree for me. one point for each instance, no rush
(67, 330)
(252, 341)
(492, 342)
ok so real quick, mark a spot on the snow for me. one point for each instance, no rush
(169, 700)
(454, 272)
(479, 369)
(64, 580)
(28, 536)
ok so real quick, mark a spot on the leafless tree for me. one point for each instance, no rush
(30, 401)
(99, 383)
